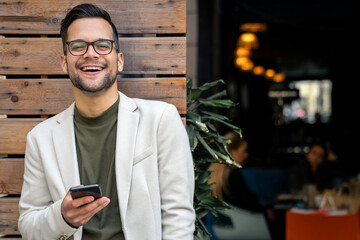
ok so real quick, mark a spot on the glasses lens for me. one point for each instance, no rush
(103, 46)
(77, 47)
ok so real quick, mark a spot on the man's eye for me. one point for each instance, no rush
(77, 46)
(102, 45)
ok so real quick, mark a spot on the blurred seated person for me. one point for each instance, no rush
(229, 184)
(314, 168)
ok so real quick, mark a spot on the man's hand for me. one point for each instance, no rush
(79, 211)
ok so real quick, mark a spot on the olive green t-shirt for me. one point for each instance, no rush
(95, 147)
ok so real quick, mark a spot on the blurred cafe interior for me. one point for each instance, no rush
(292, 67)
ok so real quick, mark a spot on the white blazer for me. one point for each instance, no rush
(154, 174)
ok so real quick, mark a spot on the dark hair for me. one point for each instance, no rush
(86, 10)
(323, 146)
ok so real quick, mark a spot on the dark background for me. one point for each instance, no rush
(317, 38)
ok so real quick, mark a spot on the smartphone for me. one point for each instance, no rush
(88, 190)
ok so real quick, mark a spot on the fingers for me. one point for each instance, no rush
(96, 206)
(83, 214)
(79, 211)
(82, 201)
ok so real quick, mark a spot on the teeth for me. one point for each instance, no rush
(92, 69)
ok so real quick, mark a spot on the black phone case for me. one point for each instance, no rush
(89, 190)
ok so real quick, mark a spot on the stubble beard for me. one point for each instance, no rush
(80, 84)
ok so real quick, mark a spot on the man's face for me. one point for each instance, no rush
(91, 72)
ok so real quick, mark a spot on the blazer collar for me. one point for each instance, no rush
(127, 127)
(65, 150)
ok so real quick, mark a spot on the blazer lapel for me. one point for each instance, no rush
(64, 142)
(127, 127)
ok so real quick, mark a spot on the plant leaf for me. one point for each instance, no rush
(204, 177)
(206, 146)
(209, 85)
(215, 115)
(217, 103)
(194, 93)
(202, 126)
(193, 116)
(231, 126)
(228, 160)
(192, 138)
(204, 227)
(189, 83)
(218, 95)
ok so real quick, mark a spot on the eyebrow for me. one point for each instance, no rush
(82, 40)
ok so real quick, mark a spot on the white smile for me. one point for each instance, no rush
(91, 69)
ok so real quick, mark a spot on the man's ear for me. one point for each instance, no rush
(63, 64)
(120, 62)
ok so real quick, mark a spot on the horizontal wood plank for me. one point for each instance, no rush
(44, 16)
(41, 56)
(13, 134)
(9, 215)
(11, 175)
(51, 96)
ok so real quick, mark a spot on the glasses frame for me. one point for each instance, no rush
(87, 46)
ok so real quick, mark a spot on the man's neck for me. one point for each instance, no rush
(94, 104)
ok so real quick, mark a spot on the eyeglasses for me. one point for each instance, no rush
(79, 47)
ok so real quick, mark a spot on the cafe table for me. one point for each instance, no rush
(313, 224)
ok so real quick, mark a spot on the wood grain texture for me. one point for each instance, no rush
(152, 55)
(44, 16)
(13, 134)
(9, 215)
(51, 96)
(11, 175)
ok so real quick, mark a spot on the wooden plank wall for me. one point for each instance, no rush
(152, 37)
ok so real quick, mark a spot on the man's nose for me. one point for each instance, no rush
(91, 52)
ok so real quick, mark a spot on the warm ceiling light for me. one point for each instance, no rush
(258, 70)
(248, 37)
(279, 77)
(269, 73)
(247, 66)
(244, 63)
(253, 27)
(248, 40)
(242, 52)
(241, 61)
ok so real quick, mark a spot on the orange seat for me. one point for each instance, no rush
(308, 227)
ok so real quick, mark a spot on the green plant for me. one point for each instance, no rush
(207, 146)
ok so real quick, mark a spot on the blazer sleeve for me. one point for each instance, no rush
(40, 217)
(176, 177)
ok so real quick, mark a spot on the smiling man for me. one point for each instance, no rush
(136, 150)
